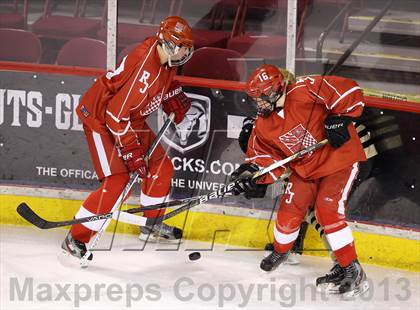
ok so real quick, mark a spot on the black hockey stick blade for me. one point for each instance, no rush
(28, 214)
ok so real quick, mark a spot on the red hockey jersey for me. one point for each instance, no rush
(120, 101)
(301, 123)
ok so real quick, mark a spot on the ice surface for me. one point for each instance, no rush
(34, 275)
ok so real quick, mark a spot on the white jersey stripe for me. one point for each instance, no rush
(144, 98)
(113, 116)
(336, 91)
(122, 133)
(295, 88)
(317, 95)
(355, 105)
(103, 160)
(344, 95)
(347, 188)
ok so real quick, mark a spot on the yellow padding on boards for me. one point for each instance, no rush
(230, 230)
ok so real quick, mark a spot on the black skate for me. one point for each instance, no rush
(331, 280)
(159, 232)
(74, 248)
(348, 281)
(354, 282)
(273, 260)
(292, 259)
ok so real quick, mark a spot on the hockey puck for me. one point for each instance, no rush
(194, 256)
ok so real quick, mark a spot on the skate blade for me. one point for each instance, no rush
(333, 289)
(361, 289)
(327, 288)
(84, 263)
(266, 272)
(67, 260)
(293, 259)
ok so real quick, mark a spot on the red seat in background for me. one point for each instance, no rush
(131, 33)
(83, 52)
(19, 45)
(66, 27)
(13, 14)
(216, 63)
(137, 30)
(265, 44)
(213, 29)
(210, 38)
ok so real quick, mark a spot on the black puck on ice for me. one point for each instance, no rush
(194, 256)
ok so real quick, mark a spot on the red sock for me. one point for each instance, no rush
(346, 254)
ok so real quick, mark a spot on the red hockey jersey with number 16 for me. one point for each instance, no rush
(301, 123)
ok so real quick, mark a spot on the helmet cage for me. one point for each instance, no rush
(271, 95)
(172, 50)
(266, 86)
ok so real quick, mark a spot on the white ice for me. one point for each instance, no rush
(34, 275)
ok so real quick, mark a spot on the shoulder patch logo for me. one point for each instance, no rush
(84, 111)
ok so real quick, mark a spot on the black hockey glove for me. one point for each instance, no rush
(336, 130)
(245, 133)
(244, 183)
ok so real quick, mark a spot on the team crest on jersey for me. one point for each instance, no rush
(298, 138)
(194, 130)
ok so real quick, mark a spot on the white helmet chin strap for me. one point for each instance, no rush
(168, 53)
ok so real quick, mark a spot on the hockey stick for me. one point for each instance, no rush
(223, 191)
(133, 179)
(27, 213)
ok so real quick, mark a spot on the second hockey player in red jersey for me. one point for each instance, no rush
(114, 112)
(290, 118)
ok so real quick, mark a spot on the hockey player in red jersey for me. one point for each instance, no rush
(114, 112)
(290, 118)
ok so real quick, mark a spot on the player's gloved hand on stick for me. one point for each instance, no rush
(336, 130)
(245, 133)
(176, 101)
(245, 184)
(134, 158)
